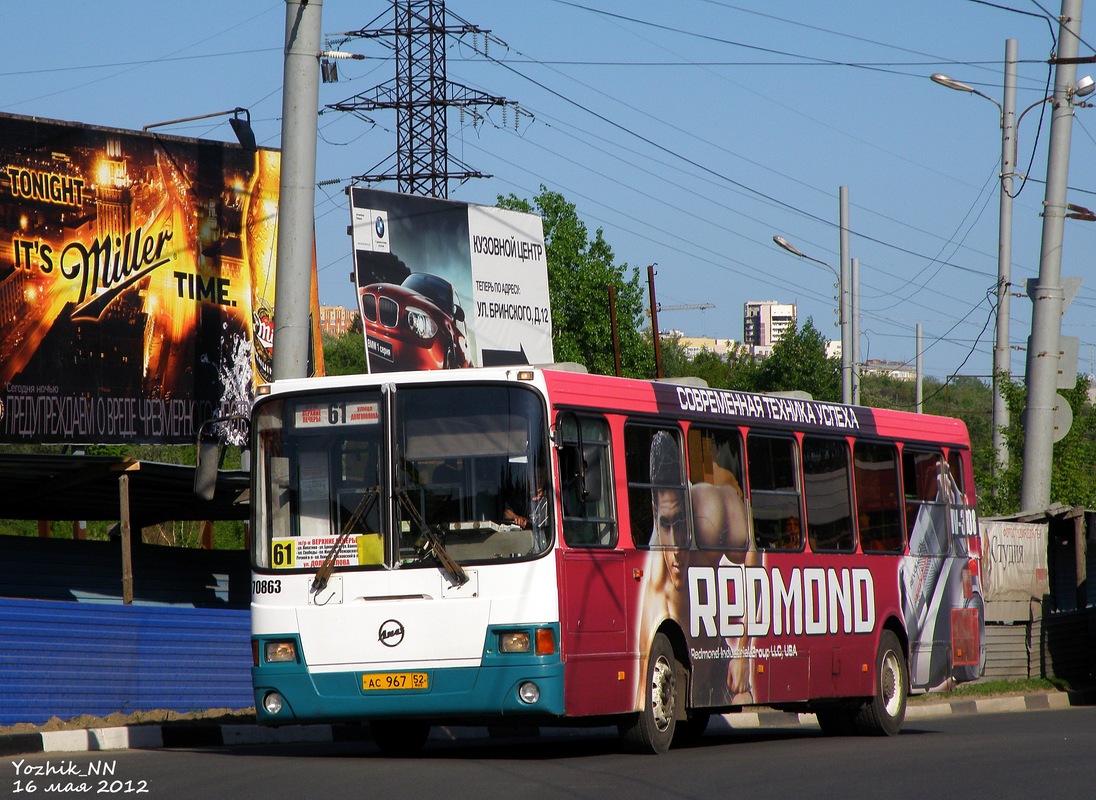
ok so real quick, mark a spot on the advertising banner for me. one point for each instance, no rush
(1014, 560)
(447, 285)
(136, 282)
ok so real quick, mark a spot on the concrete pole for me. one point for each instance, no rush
(920, 392)
(1002, 354)
(1046, 292)
(296, 198)
(854, 323)
(844, 312)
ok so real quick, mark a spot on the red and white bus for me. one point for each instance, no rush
(551, 547)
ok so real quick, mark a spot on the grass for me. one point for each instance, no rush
(996, 688)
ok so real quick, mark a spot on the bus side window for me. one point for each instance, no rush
(656, 487)
(774, 492)
(585, 481)
(926, 523)
(955, 467)
(720, 521)
(880, 514)
(827, 495)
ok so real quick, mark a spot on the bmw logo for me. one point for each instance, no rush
(379, 225)
(390, 633)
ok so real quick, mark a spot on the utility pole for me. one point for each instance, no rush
(1047, 295)
(619, 372)
(919, 391)
(1002, 355)
(421, 95)
(297, 189)
(844, 305)
(654, 320)
(854, 323)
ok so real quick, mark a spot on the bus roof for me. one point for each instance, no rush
(687, 400)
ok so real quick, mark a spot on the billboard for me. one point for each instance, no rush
(1014, 560)
(136, 282)
(447, 285)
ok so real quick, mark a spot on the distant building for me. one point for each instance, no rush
(694, 345)
(894, 369)
(764, 322)
(335, 320)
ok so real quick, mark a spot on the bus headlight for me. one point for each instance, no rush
(273, 702)
(529, 692)
(514, 642)
(280, 651)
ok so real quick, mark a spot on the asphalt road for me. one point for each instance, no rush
(1019, 755)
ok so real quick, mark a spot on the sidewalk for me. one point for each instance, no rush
(189, 734)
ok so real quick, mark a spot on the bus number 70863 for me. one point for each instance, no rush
(550, 546)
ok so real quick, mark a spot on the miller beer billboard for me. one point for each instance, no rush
(136, 282)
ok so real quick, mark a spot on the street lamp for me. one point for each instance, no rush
(1002, 361)
(846, 355)
(241, 127)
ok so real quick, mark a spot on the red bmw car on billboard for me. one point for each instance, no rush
(416, 324)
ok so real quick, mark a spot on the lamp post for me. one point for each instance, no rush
(1047, 296)
(1002, 359)
(241, 127)
(297, 187)
(843, 321)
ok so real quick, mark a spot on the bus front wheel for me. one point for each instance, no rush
(884, 713)
(652, 730)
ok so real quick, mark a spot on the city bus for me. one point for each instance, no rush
(548, 547)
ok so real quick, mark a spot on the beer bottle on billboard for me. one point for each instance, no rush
(261, 224)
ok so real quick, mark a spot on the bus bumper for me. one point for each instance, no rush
(491, 689)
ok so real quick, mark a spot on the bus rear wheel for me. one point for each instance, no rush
(652, 730)
(399, 737)
(884, 713)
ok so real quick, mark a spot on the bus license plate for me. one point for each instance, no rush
(395, 681)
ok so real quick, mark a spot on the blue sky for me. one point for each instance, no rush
(690, 132)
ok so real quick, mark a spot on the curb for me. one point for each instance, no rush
(149, 737)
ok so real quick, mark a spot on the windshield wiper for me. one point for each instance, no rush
(323, 574)
(430, 542)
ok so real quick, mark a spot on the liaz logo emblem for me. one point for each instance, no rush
(390, 633)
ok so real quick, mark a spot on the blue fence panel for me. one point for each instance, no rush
(64, 659)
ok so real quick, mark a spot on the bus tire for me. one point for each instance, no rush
(399, 737)
(652, 730)
(884, 713)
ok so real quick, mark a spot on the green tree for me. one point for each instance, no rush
(799, 363)
(344, 355)
(1072, 479)
(580, 271)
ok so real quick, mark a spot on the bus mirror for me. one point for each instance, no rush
(205, 471)
(210, 454)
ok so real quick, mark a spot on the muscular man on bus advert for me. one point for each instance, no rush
(720, 528)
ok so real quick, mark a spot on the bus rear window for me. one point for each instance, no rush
(880, 514)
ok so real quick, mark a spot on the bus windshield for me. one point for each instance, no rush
(403, 478)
